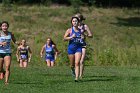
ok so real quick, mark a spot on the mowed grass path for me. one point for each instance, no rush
(41, 79)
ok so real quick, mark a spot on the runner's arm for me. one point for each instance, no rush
(42, 50)
(56, 51)
(17, 54)
(14, 39)
(67, 35)
(89, 33)
(29, 49)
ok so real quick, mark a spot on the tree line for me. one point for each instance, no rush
(98, 3)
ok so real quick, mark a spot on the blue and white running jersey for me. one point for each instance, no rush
(49, 51)
(77, 39)
(7, 47)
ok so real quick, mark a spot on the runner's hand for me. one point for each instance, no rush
(29, 59)
(18, 60)
(73, 35)
(4, 43)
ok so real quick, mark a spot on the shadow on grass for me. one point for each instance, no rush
(51, 75)
(101, 78)
(30, 83)
(110, 78)
(131, 21)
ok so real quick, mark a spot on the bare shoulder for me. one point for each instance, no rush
(12, 34)
(53, 45)
(19, 47)
(86, 26)
(69, 30)
(28, 46)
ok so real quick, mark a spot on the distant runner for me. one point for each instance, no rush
(51, 52)
(22, 54)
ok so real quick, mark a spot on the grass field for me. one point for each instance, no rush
(113, 54)
(40, 79)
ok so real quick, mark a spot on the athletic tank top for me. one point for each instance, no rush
(49, 51)
(7, 39)
(77, 39)
(82, 28)
(24, 52)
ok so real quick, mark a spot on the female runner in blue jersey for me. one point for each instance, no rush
(22, 54)
(86, 33)
(5, 48)
(51, 52)
(74, 36)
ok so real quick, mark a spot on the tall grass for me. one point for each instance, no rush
(116, 32)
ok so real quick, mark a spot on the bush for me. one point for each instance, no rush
(108, 57)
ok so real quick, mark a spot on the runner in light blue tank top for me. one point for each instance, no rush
(5, 49)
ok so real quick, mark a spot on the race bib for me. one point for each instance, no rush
(78, 40)
(23, 56)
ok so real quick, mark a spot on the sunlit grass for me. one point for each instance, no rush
(40, 79)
